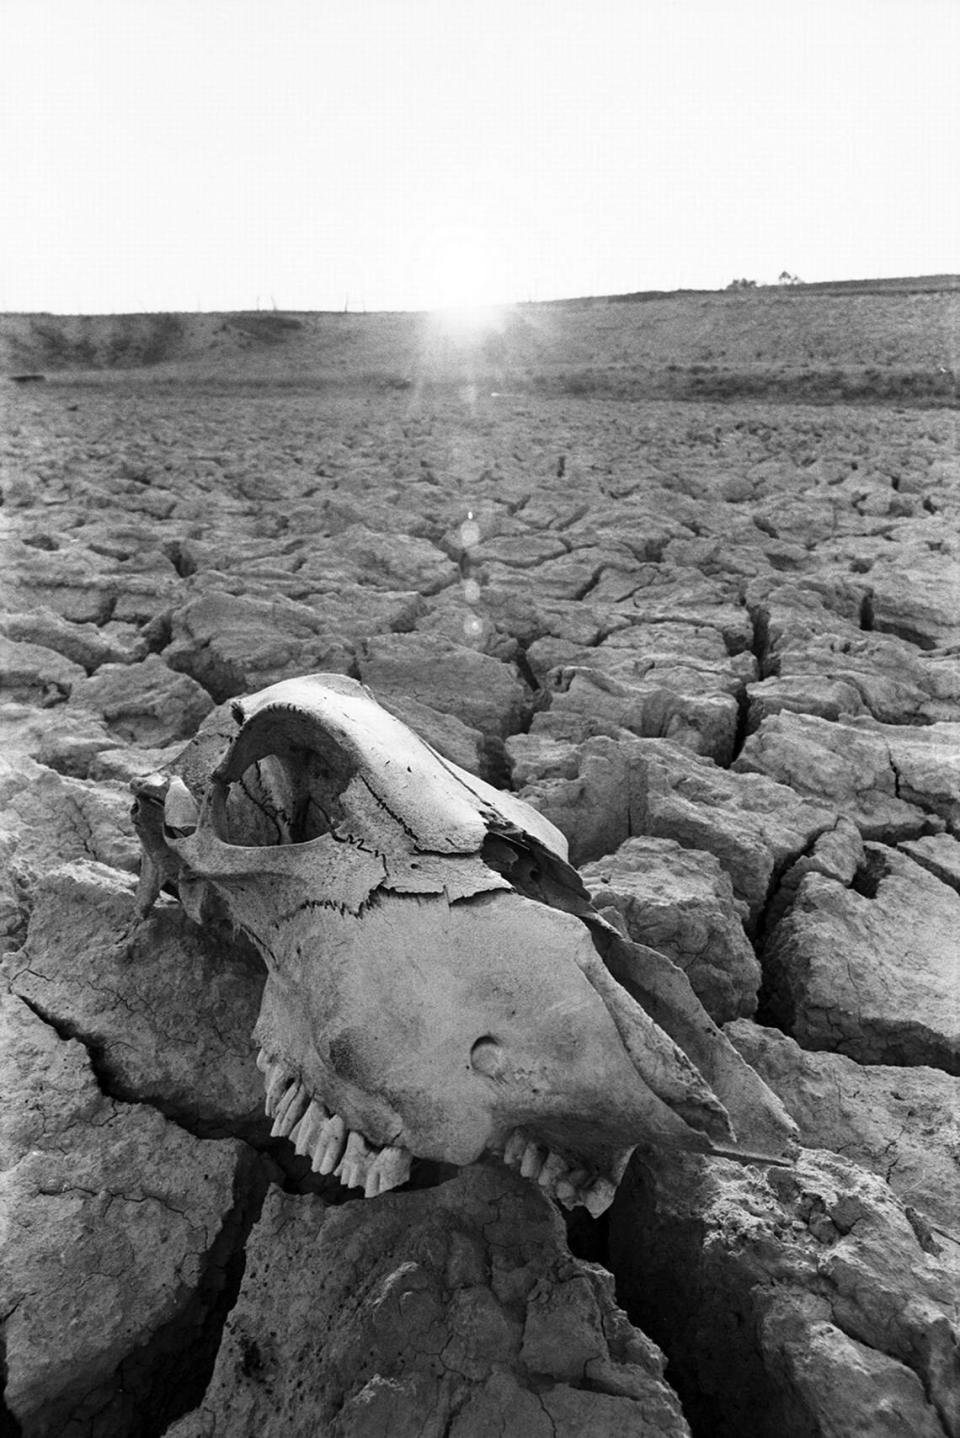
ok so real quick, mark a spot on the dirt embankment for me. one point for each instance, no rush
(864, 342)
(59, 343)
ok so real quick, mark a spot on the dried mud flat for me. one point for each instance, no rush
(719, 646)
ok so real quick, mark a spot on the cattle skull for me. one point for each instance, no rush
(438, 983)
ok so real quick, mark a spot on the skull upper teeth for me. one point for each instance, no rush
(306, 1133)
(324, 1137)
(276, 1081)
(390, 1167)
(290, 1109)
(330, 1145)
(353, 1165)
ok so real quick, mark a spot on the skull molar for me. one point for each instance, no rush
(438, 983)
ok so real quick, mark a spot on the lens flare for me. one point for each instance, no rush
(466, 323)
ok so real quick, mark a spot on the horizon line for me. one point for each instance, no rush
(735, 287)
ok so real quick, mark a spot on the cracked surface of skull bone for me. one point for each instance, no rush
(438, 983)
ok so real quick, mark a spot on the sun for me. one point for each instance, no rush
(464, 284)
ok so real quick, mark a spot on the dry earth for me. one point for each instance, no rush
(717, 643)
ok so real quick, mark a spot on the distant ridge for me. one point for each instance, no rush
(856, 341)
(913, 283)
(907, 284)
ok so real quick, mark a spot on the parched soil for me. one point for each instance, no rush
(717, 642)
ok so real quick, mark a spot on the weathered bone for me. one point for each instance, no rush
(329, 1145)
(306, 1133)
(553, 1168)
(438, 982)
(532, 1161)
(514, 1148)
(389, 1169)
(597, 1197)
(356, 1161)
(290, 1110)
(570, 1186)
(277, 1081)
(180, 810)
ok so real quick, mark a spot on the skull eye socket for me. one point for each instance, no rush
(281, 781)
(282, 799)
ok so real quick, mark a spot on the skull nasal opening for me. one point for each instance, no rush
(279, 785)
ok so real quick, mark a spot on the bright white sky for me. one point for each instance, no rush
(217, 154)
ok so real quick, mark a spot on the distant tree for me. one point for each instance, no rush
(786, 278)
(742, 285)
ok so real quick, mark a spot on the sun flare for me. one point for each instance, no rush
(466, 283)
(465, 323)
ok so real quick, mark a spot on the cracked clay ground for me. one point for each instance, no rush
(718, 645)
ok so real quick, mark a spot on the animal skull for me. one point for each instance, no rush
(438, 983)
